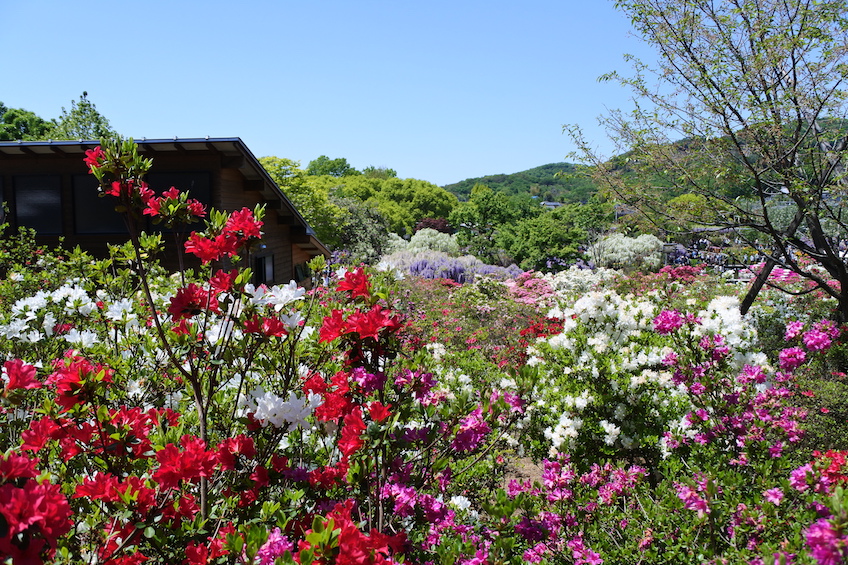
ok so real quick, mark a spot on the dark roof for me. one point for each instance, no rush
(231, 148)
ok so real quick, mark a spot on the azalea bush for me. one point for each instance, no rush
(194, 418)
(202, 419)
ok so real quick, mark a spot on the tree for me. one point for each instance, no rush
(478, 221)
(17, 123)
(310, 197)
(323, 165)
(547, 242)
(755, 89)
(83, 121)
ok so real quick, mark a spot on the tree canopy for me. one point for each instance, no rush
(756, 91)
(82, 121)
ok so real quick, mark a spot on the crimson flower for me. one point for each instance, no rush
(244, 224)
(14, 466)
(369, 324)
(19, 375)
(266, 326)
(193, 462)
(191, 301)
(94, 158)
(332, 326)
(378, 411)
(351, 438)
(356, 282)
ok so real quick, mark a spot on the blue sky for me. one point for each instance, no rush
(438, 90)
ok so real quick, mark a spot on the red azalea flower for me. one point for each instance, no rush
(266, 326)
(196, 208)
(332, 326)
(94, 158)
(154, 207)
(76, 379)
(378, 412)
(223, 281)
(14, 466)
(356, 282)
(191, 301)
(193, 462)
(19, 375)
(369, 324)
(204, 248)
(39, 511)
(39, 433)
(351, 439)
(244, 224)
(102, 486)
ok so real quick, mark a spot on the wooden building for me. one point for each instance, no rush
(46, 186)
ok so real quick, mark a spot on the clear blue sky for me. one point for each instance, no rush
(438, 90)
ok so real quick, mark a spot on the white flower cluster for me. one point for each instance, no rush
(611, 432)
(618, 250)
(573, 281)
(722, 317)
(268, 408)
(32, 319)
(426, 239)
(277, 296)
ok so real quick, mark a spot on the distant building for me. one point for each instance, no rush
(551, 205)
(46, 186)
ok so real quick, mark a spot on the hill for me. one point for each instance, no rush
(555, 182)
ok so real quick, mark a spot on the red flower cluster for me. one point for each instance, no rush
(174, 205)
(76, 380)
(94, 158)
(17, 375)
(35, 514)
(354, 546)
(832, 464)
(366, 324)
(240, 227)
(356, 283)
(189, 464)
(191, 301)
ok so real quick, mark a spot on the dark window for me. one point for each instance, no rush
(263, 269)
(38, 203)
(94, 214)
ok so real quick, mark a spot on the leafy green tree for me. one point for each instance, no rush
(547, 242)
(82, 121)
(323, 165)
(379, 172)
(17, 123)
(363, 231)
(403, 202)
(312, 199)
(477, 222)
(756, 89)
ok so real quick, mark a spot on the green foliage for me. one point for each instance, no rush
(17, 123)
(311, 199)
(556, 182)
(82, 121)
(478, 221)
(363, 232)
(323, 165)
(538, 243)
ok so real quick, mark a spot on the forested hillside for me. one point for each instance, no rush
(556, 182)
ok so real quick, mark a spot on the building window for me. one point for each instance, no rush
(263, 269)
(38, 203)
(94, 214)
